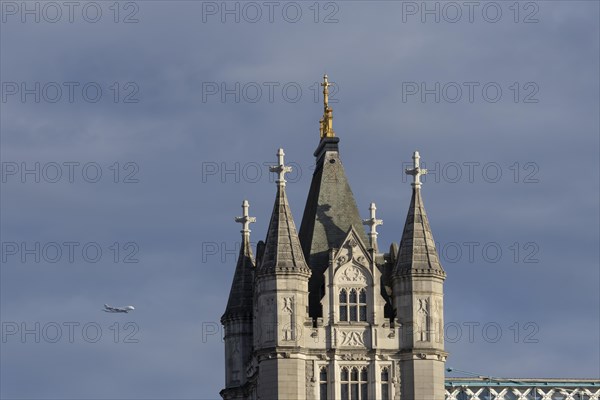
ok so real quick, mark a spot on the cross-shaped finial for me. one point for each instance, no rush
(416, 171)
(245, 219)
(373, 223)
(281, 168)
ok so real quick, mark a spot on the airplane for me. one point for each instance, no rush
(110, 309)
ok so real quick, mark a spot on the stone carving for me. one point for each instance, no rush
(289, 331)
(310, 379)
(354, 357)
(341, 260)
(351, 251)
(424, 306)
(423, 320)
(397, 381)
(353, 274)
(438, 306)
(352, 338)
(251, 369)
(288, 305)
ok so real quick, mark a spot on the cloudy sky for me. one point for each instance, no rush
(132, 131)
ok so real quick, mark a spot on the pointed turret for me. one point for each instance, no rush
(418, 293)
(417, 248)
(283, 252)
(330, 209)
(281, 302)
(238, 317)
(240, 295)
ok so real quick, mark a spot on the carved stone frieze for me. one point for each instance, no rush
(351, 338)
(354, 357)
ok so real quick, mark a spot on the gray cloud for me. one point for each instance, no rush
(174, 212)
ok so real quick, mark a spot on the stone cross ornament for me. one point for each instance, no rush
(281, 168)
(416, 171)
(373, 223)
(245, 219)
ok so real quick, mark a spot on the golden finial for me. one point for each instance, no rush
(326, 122)
(325, 85)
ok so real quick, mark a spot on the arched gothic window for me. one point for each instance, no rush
(354, 383)
(353, 304)
(385, 384)
(323, 383)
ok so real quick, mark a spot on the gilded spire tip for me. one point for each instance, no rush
(326, 123)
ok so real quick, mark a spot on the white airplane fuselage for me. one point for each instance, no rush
(110, 309)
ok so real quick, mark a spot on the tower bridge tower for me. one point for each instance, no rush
(322, 313)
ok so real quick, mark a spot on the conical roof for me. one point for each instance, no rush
(283, 252)
(330, 209)
(417, 253)
(241, 293)
(330, 212)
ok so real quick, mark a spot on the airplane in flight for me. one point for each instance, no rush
(110, 309)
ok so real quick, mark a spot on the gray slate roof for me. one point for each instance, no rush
(283, 252)
(240, 296)
(329, 214)
(417, 253)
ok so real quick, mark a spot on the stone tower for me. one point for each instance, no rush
(238, 317)
(281, 303)
(418, 280)
(324, 314)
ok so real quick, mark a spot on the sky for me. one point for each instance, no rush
(132, 131)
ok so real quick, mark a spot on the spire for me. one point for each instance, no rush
(241, 294)
(417, 252)
(283, 252)
(330, 210)
(326, 123)
(373, 223)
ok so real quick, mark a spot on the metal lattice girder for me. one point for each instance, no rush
(592, 395)
(524, 395)
(499, 395)
(509, 392)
